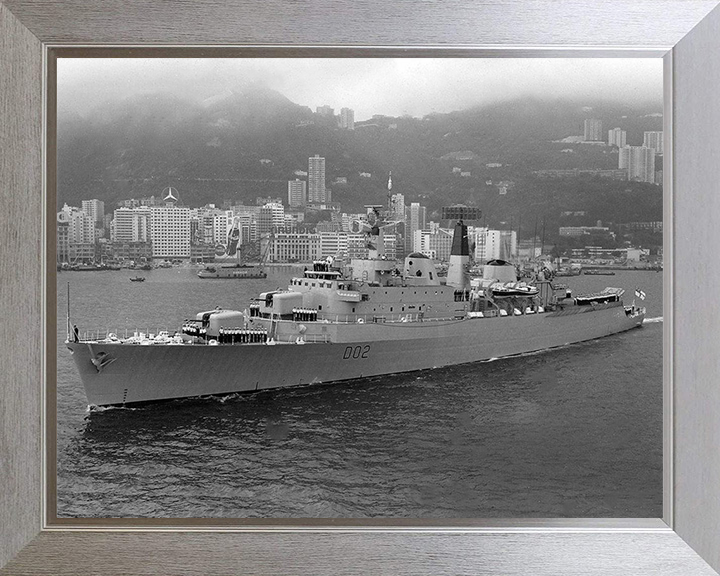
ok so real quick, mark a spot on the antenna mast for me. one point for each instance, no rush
(67, 326)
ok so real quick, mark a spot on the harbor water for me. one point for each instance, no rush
(570, 432)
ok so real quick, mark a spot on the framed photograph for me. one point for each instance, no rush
(326, 215)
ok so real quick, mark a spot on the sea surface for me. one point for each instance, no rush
(571, 432)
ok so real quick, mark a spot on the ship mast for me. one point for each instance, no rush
(67, 326)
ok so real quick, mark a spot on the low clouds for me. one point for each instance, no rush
(391, 86)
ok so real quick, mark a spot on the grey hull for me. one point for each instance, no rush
(131, 373)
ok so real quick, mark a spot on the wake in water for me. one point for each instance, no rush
(653, 320)
(92, 408)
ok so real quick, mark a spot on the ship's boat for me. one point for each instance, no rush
(598, 272)
(335, 323)
(237, 271)
(137, 279)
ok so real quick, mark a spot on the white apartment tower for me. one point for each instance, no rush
(495, 244)
(95, 209)
(641, 163)
(81, 229)
(593, 130)
(316, 180)
(654, 140)
(297, 193)
(415, 221)
(617, 137)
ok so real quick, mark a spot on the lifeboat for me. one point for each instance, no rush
(513, 290)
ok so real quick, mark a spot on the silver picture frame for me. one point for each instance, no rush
(685, 33)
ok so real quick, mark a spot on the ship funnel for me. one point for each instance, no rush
(458, 271)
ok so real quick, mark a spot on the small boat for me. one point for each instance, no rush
(137, 279)
(607, 295)
(597, 272)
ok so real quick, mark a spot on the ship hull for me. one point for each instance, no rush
(131, 373)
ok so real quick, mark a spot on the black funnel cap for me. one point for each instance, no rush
(460, 246)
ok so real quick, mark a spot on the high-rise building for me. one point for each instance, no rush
(641, 163)
(96, 210)
(397, 207)
(297, 193)
(316, 180)
(222, 222)
(63, 240)
(170, 229)
(347, 119)
(654, 140)
(415, 220)
(617, 137)
(81, 227)
(623, 155)
(435, 243)
(495, 244)
(131, 225)
(593, 130)
(272, 218)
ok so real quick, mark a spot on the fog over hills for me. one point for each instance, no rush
(211, 149)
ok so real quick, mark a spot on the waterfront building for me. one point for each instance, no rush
(202, 252)
(297, 193)
(292, 247)
(136, 251)
(654, 140)
(617, 137)
(170, 229)
(593, 130)
(130, 225)
(316, 180)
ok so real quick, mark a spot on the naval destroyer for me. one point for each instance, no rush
(334, 323)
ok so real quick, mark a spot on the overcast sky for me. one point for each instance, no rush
(415, 86)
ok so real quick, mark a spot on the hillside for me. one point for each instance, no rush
(245, 143)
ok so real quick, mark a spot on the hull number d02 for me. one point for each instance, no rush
(356, 352)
